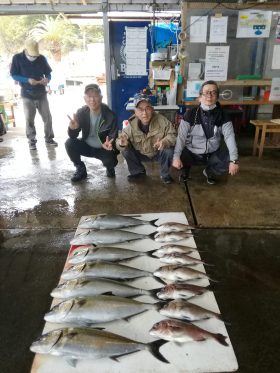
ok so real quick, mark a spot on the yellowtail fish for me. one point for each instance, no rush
(107, 237)
(113, 222)
(112, 254)
(86, 311)
(76, 344)
(86, 287)
(181, 332)
(103, 269)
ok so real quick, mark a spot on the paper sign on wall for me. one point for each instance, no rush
(198, 29)
(136, 50)
(216, 65)
(253, 24)
(218, 30)
(276, 57)
(275, 90)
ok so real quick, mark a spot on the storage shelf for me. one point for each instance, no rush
(246, 83)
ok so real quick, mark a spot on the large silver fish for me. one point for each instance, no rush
(181, 332)
(179, 273)
(173, 227)
(112, 254)
(181, 259)
(113, 222)
(107, 237)
(183, 310)
(181, 291)
(98, 309)
(103, 269)
(171, 248)
(75, 344)
(84, 287)
(172, 236)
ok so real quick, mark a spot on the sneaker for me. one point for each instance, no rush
(110, 172)
(167, 180)
(184, 177)
(32, 146)
(209, 179)
(51, 142)
(138, 176)
(80, 174)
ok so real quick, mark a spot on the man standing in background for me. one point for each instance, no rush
(33, 73)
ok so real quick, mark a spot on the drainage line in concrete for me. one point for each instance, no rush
(191, 204)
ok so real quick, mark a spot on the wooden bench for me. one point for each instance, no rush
(264, 128)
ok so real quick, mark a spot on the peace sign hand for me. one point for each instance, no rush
(107, 145)
(73, 124)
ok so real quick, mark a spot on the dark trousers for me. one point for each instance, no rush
(77, 147)
(217, 163)
(134, 160)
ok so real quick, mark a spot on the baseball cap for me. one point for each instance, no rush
(139, 98)
(93, 86)
(31, 47)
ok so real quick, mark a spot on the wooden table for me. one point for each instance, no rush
(264, 127)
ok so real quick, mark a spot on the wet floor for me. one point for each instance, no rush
(238, 232)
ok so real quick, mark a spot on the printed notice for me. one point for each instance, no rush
(136, 51)
(276, 58)
(198, 29)
(253, 24)
(275, 90)
(216, 65)
(218, 30)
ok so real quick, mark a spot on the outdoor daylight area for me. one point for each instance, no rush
(65, 43)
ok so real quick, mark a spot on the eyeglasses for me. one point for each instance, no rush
(143, 110)
(210, 93)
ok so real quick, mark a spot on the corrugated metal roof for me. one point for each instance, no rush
(9, 7)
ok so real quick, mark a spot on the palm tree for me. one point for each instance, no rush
(58, 35)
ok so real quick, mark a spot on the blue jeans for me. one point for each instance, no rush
(217, 163)
(134, 160)
(42, 105)
(77, 147)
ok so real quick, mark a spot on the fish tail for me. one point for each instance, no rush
(150, 253)
(154, 350)
(152, 222)
(221, 339)
(152, 235)
(153, 292)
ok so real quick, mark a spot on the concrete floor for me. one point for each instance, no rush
(238, 231)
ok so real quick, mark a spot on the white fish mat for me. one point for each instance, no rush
(191, 357)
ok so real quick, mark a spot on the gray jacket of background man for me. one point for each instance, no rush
(160, 128)
(192, 136)
(107, 125)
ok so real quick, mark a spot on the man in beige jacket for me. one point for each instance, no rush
(149, 136)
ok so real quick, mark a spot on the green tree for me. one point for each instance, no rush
(13, 31)
(57, 35)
